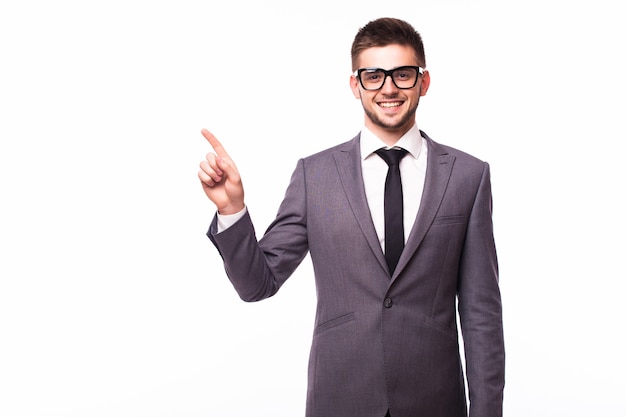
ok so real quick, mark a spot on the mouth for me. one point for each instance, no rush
(389, 104)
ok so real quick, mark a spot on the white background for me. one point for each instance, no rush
(114, 303)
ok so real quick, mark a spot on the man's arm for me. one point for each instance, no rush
(480, 308)
(257, 269)
(237, 245)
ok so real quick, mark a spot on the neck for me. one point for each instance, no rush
(390, 136)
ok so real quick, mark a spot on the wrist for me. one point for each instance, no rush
(231, 209)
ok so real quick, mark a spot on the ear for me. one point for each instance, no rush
(425, 83)
(354, 85)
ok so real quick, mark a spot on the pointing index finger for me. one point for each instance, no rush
(217, 146)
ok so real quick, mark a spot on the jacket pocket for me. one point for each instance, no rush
(442, 328)
(443, 220)
(330, 324)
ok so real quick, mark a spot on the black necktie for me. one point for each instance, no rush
(394, 228)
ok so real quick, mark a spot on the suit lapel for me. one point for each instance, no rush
(348, 161)
(438, 171)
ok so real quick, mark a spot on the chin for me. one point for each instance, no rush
(391, 124)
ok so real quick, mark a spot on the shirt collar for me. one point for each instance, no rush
(411, 141)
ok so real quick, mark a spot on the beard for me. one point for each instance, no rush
(406, 118)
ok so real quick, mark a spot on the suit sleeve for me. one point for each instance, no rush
(258, 268)
(480, 308)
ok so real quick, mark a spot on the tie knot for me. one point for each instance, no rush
(392, 156)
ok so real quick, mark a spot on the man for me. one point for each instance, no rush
(385, 340)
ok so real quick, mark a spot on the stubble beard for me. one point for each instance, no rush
(408, 116)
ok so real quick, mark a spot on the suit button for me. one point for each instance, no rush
(388, 303)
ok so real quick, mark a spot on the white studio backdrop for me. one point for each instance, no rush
(114, 303)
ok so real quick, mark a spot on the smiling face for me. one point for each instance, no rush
(390, 111)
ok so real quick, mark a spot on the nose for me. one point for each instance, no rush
(388, 86)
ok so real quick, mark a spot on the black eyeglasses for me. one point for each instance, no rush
(402, 77)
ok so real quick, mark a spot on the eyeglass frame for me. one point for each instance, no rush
(388, 73)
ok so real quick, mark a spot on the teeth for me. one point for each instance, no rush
(394, 104)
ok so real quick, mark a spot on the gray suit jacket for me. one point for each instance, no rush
(386, 342)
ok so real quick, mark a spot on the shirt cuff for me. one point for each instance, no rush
(224, 221)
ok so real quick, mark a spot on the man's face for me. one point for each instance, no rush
(390, 111)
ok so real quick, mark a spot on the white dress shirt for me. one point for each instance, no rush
(412, 173)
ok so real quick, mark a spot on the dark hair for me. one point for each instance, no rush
(387, 31)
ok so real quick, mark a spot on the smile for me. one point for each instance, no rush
(390, 104)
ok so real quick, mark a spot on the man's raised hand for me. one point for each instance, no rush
(220, 178)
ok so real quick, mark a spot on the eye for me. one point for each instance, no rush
(371, 76)
(404, 74)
